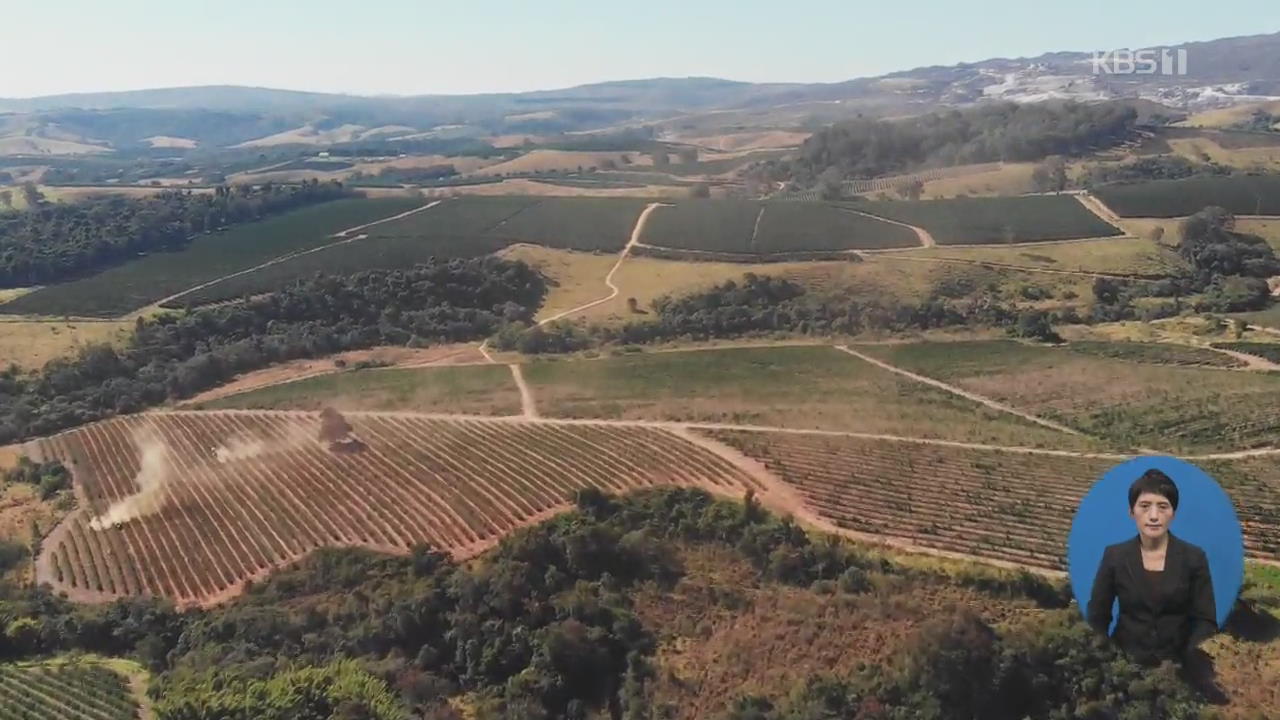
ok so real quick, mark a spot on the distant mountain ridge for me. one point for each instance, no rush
(1219, 72)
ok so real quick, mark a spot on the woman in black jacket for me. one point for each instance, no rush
(1163, 582)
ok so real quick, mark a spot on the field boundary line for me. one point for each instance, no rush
(290, 256)
(926, 239)
(993, 404)
(529, 409)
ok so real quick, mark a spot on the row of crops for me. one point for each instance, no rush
(137, 283)
(1238, 194)
(455, 485)
(1013, 507)
(64, 692)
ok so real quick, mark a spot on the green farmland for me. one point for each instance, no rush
(462, 228)
(994, 220)
(751, 227)
(64, 692)
(1239, 194)
(135, 284)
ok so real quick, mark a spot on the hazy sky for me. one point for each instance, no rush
(428, 46)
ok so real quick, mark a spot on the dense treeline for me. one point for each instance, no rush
(865, 148)
(174, 356)
(1226, 272)
(761, 304)
(1156, 167)
(545, 627)
(54, 241)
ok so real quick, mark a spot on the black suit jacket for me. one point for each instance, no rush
(1187, 616)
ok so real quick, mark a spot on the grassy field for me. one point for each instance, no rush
(573, 278)
(748, 226)
(127, 287)
(30, 345)
(1009, 179)
(1265, 228)
(1125, 256)
(814, 387)
(1240, 194)
(971, 221)
(1129, 404)
(472, 389)
(1262, 157)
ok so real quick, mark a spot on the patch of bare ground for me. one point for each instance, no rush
(522, 186)
(724, 632)
(299, 369)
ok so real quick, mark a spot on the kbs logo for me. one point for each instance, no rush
(1140, 62)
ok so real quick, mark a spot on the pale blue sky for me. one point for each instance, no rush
(428, 46)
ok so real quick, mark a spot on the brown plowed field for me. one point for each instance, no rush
(249, 492)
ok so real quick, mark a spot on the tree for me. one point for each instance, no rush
(6, 198)
(1034, 324)
(687, 155)
(1050, 175)
(633, 305)
(700, 190)
(1156, 234)
(31, 194)
(831, 184)
(910, 189)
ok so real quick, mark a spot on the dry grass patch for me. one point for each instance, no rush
(1009, 179)
(543, 160)
(31, 344)
(761, 140)
(22, 512)
(306, 368)
(1195, 149)
(723, 632)
(573, 278)
(1267, 229)
(470, 389)
(523, 186)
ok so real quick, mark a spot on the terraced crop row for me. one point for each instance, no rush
(1015, 507)
(247, 492)
(68, 692)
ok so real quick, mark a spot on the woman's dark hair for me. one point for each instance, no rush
(1153, 481)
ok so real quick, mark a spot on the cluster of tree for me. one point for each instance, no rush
(1006, 131)
(49, 477)
(760, 304)
(957, 667)
(173, 356)
(51, 242)
(546, 628)
(1228, 270)
(338, 691)
(1155, 167)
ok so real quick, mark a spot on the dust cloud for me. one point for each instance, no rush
(156, 470)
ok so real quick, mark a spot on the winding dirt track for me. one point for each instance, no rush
(926, 240)
(636, 232)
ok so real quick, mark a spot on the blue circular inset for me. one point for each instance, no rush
(1205, 517)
